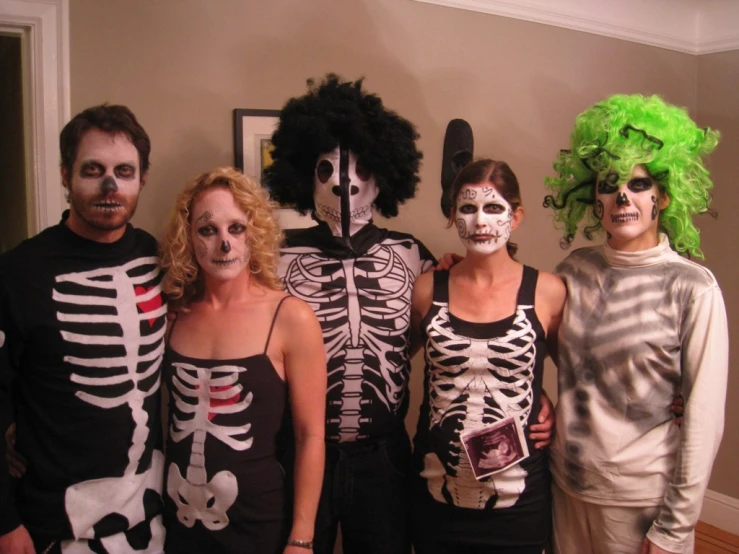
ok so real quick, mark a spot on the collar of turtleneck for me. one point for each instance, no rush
(642, 258)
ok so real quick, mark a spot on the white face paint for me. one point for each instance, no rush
(483, 218)
(104, 185)
(218, 231)
(327, 195)
(629, 211)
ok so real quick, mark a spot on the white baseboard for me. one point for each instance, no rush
(721, 511)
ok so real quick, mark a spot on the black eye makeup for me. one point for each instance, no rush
(363, 172)
(237, 228)
(604, 187)
(467, 209)
(207, 231)
(493, 208)
(640, 184)
(609, 183)
(91, 170)
(324, 170)
(125, 171)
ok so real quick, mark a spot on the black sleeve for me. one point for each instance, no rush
(9, 518)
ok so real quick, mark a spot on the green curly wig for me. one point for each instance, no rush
(619, 133)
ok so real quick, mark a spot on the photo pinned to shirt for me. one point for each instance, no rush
(496, 447)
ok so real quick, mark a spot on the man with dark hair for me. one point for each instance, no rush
(82, 322)
(339, 154)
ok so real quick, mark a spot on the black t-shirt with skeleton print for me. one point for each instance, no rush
(82, 324)
(361, 291)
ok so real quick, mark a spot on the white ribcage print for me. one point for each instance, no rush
(474, 383)
(126, 373)
(194, 391)
(363, 306)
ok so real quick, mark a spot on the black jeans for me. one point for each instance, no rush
(365, 490)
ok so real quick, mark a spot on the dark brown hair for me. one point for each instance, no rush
(109, 119)
(500, 175)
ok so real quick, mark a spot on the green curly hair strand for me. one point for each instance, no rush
(614, 136)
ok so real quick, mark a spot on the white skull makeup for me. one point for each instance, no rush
(483, 218)
(629, 212)
(103, 186)
(362, 191)
(218, 231)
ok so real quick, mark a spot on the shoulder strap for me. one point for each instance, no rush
(527, 291)
(441, 287)
(274, 318)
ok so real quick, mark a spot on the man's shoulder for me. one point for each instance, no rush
(44, 242)
(408, 239)
(146, 241)
(298, 236)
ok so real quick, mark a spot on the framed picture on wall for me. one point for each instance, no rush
(253, 153)
(253, 140)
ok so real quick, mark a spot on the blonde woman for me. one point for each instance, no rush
(237, 350)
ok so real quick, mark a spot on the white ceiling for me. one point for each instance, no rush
(692, 26)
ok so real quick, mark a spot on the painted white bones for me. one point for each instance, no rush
(80, 302)
(196, 497)
(492, 383)
(364, 314)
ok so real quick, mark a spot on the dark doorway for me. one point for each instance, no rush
(14, 221)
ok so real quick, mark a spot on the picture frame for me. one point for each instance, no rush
(495, 448)
(252, 135)
(252, 139)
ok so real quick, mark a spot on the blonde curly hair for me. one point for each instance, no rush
(183, 280)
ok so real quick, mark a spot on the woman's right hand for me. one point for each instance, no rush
(447, 261)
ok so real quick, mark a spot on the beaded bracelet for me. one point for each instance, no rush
(301, 544)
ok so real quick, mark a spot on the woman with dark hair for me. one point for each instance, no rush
(486, 326)
(237, 350)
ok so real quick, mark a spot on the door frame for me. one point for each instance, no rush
(44, 28)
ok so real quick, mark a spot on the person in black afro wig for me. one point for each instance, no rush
(334, 112)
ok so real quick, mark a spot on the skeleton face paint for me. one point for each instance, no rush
(629, 211)
(218, 232)
(104, 186)
(483, 218)
(362, 191)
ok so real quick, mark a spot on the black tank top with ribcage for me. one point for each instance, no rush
(224, 486)
(477, 374)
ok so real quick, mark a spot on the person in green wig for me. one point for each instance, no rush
(643, 323)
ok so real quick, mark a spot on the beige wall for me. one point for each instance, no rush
(183, 65)
(718, 83)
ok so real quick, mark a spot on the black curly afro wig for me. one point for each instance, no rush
(334, 112)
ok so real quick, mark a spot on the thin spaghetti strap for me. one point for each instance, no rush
(274, 318)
